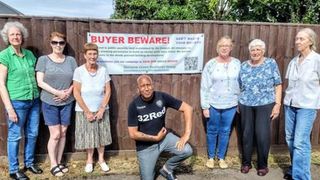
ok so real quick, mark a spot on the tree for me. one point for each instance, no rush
(296, 11)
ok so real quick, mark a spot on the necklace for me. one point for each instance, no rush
(92, 71)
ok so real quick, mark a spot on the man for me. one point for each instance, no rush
(146, 125)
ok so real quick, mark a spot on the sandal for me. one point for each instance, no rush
(63, 168)
(56, 171)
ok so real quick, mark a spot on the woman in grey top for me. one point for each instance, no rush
(301, 102)
(54, 76)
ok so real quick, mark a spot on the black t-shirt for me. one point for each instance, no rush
(149, 116)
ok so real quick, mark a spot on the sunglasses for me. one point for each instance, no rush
(61, 43)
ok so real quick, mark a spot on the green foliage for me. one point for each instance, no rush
(295, 11)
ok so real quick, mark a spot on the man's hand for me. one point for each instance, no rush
(161, 134)
(182, 142)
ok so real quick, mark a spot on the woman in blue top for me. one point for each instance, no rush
(219, 99)
(259, 102)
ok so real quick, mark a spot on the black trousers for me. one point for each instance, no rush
(255, 126)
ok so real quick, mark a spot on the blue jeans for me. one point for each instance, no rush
(148, 157)
(298, 126)
(28, 122)
(218, 129)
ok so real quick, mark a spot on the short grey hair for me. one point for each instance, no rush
(257, 42)
(8, 25)
(312, 36)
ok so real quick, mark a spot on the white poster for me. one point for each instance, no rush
(150, 54)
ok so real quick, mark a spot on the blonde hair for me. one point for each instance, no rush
(223, 39)
(90, 46)
(57, 34)
(312, 36)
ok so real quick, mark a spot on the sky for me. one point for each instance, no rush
(100, 9)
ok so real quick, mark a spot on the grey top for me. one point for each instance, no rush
(57, 75)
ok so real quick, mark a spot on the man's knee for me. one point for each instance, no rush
(187, 150)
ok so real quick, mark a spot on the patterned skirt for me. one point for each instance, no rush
(94, 134)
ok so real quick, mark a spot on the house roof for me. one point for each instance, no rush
(6, 9)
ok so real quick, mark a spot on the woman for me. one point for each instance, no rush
(19, 93)
(219, 99)
(301, 101)
(259, 102)
(54, 76)
(92, 92)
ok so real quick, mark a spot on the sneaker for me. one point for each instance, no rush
(88, 168)
(223, 164)
(167, 175)
(210, 163)
(104, 167)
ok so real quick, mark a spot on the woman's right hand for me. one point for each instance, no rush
(90, 116)
(61, 95)
(206, 113)
(12, 115)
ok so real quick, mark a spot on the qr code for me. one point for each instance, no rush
(190, 63)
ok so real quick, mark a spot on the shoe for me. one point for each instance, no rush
(245, 169)
(19, 175)
(88, 168)
(263, 171)
(287, 176)
(63, 168)
(104, 167)
(210, 163)
(34, 169)
(223, 164)
(167, 175)
(56, 171)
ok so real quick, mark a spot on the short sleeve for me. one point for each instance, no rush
(107, 77)
(41, 64)
(132, 115)
(77, 75)
(74, 64)
(276, 73)
(172, 102)
(4, 58)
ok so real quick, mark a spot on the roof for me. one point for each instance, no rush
(6, 9)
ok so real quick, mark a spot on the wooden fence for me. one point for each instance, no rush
(278, 37)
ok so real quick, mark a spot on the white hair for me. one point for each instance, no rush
(312, 37)
(257, 42)
(16, 24)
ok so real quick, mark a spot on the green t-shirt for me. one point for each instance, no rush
(21, 80)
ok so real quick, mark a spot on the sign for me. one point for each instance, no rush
(149, 54)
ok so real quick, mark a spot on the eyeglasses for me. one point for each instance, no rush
(61, 43)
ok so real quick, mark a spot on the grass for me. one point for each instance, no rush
(129, 165)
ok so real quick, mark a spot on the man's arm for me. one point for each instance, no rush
(139, 136)
(187, 111)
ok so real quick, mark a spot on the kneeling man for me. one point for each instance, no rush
(146, 125)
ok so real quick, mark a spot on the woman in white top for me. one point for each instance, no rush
(219, 99)
(301, 101)
(92, 92)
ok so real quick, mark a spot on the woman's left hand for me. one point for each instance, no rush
(275, 111)
(99, 114)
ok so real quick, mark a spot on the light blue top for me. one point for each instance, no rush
(303, 89)
(257, 83)
(219, 84)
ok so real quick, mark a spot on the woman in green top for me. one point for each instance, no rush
(19, 93)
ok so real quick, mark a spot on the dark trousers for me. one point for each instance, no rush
(255, 126)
